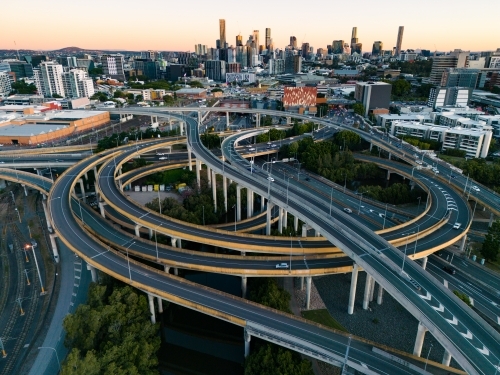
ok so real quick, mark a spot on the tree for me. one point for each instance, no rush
(359, 109)
(139, 98)
(491, 244)
(21, 87)
(400, 87)
(271, 359)
(196, 84)
(102, 97)
(56, 96)
(267, 292)
(95, 71)
(111, 334)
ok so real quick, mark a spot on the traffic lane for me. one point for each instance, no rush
(474, 269)
(481, 299)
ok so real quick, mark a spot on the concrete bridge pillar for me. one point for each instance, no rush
(214, 190)
(209, 176)
(280, 220)
(304, 230)
(198, 176)
(46, 212)
(249, 202)
(224, 188)
(372, 289)
(248, 337)
(288, 120)
(152, 308)
(366, 296)
(243, 287)
(257, 120)
(380, 294)
(227, 120)
(101, 208)
(371, 146)
(269, 217)
(352, 293)
(424, 262)
(137, 232)
(190, 161)
(166, 268)
(238, 203)
(295, 223)
(93, 272)
(390, 155)
(419, 341)
(82, 189)
(160, 305)
(176, 271)
(285, 218)
(176, 242)
(446, 358)
(25, 191)
(302, 283)
(262, 203)
(462, 243)
(150, 233)
(308, 291)
(492, 217)
(388, 175)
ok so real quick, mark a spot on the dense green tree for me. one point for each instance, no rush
(210, 140)
(21, 87)
(111, 334)
(271, 135)
(359, 109)
(491, 244)
(196, 84)
(271, 359)
(418, 67)
(400, 87)
(102, 97)
(267, 292)
(96, 72)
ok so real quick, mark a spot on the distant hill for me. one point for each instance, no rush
(70, 49)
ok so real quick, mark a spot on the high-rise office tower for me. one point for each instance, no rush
(377, 48)
(112, 66)
(268, 37)
(293, 42)
(305, 50)
(354, 39)
(48, 79)
(338, 46)
(399, 42)
(222, 33)
(239, 40)
(456, 59)
(459, 77)
(256, 39)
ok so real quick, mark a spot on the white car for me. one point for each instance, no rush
(348, 210)
(457, 226)
(273, 145)
(282, 265)
(270, 179)
(163, 158)
(251, 149)
(475, 188)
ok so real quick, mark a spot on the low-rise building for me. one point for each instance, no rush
(191, 93)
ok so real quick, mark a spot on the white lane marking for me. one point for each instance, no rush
(445, 283)
(471, 301)
(440, 308)
(427, 296)
(454, 321)
(467, 335)
(498, 320)
(484, 350)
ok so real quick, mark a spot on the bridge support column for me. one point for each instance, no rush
(388, 175)
(424, 262)
(52, 238)
(446, 358)
(82, 188)
(227, 120)
(285, 218)
(214, 191)
(25, 191)
(190, 161)
(491, 220)
(366, 296)
(101, 208)
(151, 300)
(372, 289)
(352, 293)
(462, 243)
(176, 271)
(390, 155)
(380, 294)
(243, 287)
(198, 177)
(269, 216)
(137, 232)
(46, 212)
(371, 146)
(262, 203)
(160, 305)
(295, 223)
(238, 203)
(93, 272)
(249, 202)
(288, 120)
(224, 188)
(150, 233)
(166, 269)
(209, 176)
(257, 120)
(248, 337)
(302, 283)
(280, 220)
(304, 230)
(419, 341)
(308, 292)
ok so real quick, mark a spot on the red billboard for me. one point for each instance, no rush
(300, 96)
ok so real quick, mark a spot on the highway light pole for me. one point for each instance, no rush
(331, 200)
(55, 351)
(416, 240)
(234, 206)
(418, 207)
(19, 216)
(360, 197)
(156, 241)
(290, 269)
(37, 269)
(406, 246)
(385, 215)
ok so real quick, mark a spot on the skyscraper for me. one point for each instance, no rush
(456, 59)
(222, 32)
(399, 42)
(293, 42)
(112, 66)
(338, 46)
(354, 39)
(48, 79)
(256, 39)
(268, 37)
(239, 40)
(305, 50)
(377, 48)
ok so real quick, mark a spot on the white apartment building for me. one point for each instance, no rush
(5, 86)
(77, 84)
(48, 79)
(387, 120)
(475, 142)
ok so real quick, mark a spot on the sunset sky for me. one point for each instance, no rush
(178, 26)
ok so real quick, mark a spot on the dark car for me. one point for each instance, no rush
(450, 270)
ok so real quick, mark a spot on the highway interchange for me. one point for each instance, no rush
(367, 254)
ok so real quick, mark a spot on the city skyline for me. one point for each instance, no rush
(424, 28)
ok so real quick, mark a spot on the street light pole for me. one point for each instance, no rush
(38, 269)
(406, 246)
(385, 215)
(360, 197)
(418, 208)
(331, 199)
(156, 242)
(55, 351)
(290, 254)
(234, 206)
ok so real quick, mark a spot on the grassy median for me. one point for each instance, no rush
(322, 316)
